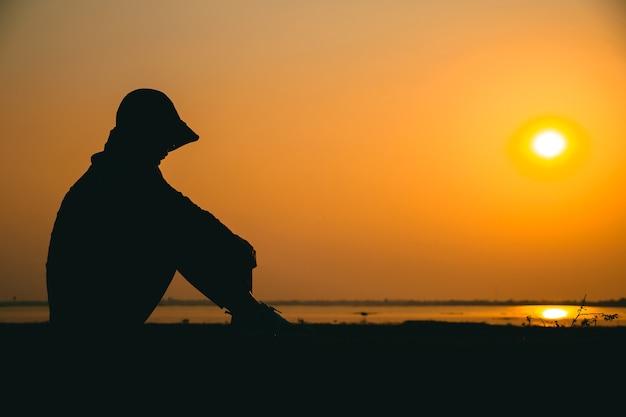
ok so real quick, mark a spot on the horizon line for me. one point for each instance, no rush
(384, 301)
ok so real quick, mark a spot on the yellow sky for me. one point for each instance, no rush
(363, 147)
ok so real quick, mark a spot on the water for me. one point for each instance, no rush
(516, 315)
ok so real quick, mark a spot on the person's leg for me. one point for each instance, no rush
(227, 281)
(230, 287)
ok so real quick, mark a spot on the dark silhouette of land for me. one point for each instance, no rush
(428, 368)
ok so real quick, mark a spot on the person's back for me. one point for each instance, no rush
(111, 234)
(122, 232)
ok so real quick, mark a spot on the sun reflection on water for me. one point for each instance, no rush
(554, 313)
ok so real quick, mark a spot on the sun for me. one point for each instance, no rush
(549, 148)
(549, 144)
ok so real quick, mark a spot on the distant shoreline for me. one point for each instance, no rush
(621, 302)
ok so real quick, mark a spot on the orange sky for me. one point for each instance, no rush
(361, 146)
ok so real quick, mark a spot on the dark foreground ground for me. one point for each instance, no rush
(431, 368)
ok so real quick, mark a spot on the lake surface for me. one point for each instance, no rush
(373, 314)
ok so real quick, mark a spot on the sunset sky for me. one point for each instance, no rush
(367, 149)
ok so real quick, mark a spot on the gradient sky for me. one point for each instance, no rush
(365, 148)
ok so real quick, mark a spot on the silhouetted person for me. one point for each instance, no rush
(122, 232)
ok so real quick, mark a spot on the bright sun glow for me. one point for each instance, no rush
(549, 144)
(548, 148)
(554, 313)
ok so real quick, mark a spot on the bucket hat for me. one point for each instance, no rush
(149, 112)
